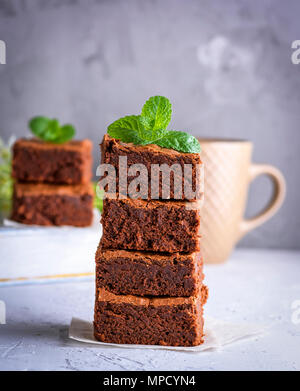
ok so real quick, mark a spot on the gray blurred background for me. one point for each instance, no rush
(225, 65)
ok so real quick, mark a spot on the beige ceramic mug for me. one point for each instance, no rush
(228, 173)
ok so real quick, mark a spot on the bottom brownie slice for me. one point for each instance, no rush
(43, 204)
(126, 319)
(148, 274)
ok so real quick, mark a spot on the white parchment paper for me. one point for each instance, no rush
(217, 334)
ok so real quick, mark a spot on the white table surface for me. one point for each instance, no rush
(253, 286)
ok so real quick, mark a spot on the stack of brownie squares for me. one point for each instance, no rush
(149, 269)
(52, 183)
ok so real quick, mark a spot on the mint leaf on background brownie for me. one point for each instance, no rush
(50, 130)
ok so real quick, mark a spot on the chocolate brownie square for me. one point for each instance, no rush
(44, 204)
(112, 149)
(39, 161)
(126, 319)
(148, 274)
(162, 226)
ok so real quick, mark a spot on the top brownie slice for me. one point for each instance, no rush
(112, 149)
(38, 161)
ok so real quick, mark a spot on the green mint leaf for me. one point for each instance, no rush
(180, 141)
(127, 129)
(39, 125)
(50, 130)
(65, 133)
(148, 135)
(131, 129)
(157, 112)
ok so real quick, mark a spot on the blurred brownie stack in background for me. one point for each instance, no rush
(149, 268)
(52, 183)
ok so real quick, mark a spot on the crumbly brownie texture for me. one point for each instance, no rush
(111, 149)
(42, 204)
(37, 161)
(163, 226)
(129, 319)
(148, 274)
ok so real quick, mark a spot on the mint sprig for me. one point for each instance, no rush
(50, 130)
(151, 128)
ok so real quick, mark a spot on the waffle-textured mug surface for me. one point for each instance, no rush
(226, 179)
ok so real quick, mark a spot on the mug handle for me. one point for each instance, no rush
(278, 180)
